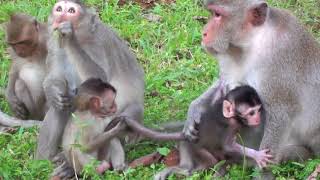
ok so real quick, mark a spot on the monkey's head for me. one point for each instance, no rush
(96, 96)
(22, 34)
(67, 10)
(232, 23)
(244, 105)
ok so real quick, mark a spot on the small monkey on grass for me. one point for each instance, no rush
(239, 108)
(84, 135)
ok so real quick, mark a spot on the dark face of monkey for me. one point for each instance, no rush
(23, 35)
(104, 105)
(243, 105)
(66, 11)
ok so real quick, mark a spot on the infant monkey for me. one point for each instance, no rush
(239, 108)
(84, 138)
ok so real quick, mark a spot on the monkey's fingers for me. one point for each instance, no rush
(64, 171)
(63, 102)
(20, 110)
(191, 133)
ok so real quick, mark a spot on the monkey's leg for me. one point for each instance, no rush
(24, 95)
(292, 149)
(186, 164)
(51, 132)
(135, 112)
(116, 154)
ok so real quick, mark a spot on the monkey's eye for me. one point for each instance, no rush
(71, 10)
(59, 9)
(251, 113)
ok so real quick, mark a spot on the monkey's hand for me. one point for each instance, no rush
(18, 108)
(58, 97)
(263, 158)
(66, 33)
(191, 127)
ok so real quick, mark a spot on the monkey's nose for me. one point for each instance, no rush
(204, 34)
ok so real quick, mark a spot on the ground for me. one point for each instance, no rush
(165, 36)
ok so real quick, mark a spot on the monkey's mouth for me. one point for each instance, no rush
(209, 49)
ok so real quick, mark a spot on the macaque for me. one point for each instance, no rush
(84, 134)
(239, 108)
(268, 49)
(81, 47)
(26, 38)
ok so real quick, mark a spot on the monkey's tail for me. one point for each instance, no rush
(172, 126)
(152, 134)
(10, 121)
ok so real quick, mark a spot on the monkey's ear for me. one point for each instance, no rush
(95, 103)
(228, 109)
(258, 13)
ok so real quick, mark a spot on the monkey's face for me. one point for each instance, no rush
(25, 42)
(215, 35)
(66, 11)
(105, 105)
(251, 114)
(231, 25)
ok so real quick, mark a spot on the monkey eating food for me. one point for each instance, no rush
(81, 47)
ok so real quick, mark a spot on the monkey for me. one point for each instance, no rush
(80, 47)
(26, 39)
(266, 48)
(94, 107)
(239, 108)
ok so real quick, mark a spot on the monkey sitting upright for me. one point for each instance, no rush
(239, 108)
(27, 39)
(84, 135)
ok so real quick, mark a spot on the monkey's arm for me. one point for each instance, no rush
(101, 139)
(17, 106)
(198, 107)
(262, 157)
(78, 57)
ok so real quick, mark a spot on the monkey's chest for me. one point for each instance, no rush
(33, 75)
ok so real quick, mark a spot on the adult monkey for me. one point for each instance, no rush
(271, 51)
(84, 48)
(26, 39)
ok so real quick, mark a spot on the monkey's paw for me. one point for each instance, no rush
(190, 130)
(263, 158)
(66, 30)
(19, 109)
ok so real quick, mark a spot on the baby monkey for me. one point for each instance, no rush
(84, 138)
(218, 130)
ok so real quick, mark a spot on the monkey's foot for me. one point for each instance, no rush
(103, 167)
(64, 171)
(315, 174)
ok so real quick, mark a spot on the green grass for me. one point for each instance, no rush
(177, 71)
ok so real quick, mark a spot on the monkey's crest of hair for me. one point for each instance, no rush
(95, 86)
(244, 94)
(75, 1)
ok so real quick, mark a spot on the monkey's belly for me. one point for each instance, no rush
(33, 76)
